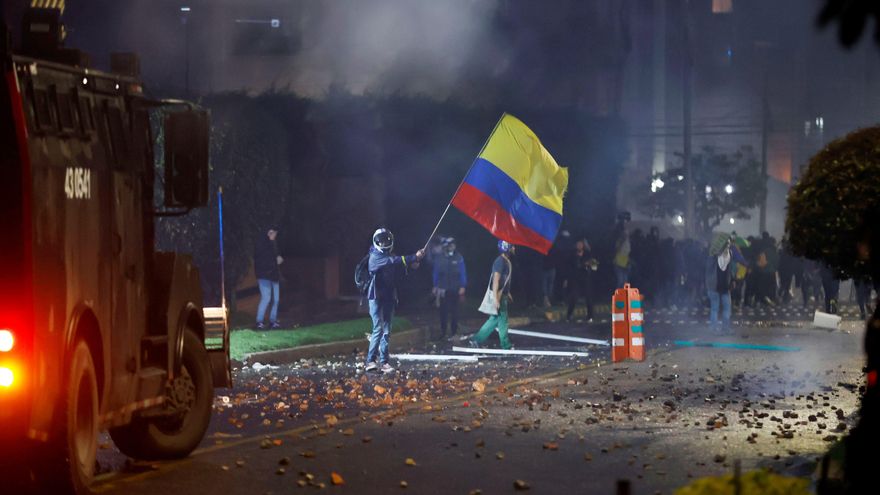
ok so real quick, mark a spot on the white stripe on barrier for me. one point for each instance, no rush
(618, 342)
(553, 336)
(636, 317)
(618, 317)
(637, 341)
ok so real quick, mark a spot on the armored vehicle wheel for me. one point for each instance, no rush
(177, 435)
(68, 464)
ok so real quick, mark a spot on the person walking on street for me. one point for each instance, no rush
(719, 275)
(382, 295)
(863, 287)
(579, 273)
(622, 249)
(831, 288)
(266, 269)
(502, 270)
(450, 281)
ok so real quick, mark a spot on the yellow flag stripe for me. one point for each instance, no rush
(518, 152)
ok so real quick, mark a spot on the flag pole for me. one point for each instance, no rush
(446, 210)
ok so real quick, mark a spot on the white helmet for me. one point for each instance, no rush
(383, 240)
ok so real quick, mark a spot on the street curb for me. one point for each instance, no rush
(402, 341)
(398, 342)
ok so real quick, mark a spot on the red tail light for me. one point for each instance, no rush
(7, 377)
(7, 340)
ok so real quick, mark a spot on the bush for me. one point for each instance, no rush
(832, 205)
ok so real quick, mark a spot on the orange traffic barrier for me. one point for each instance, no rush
(627, 338)
(619, 326)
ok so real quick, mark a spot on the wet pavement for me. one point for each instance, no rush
(513, 423)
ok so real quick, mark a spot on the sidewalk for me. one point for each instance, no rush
(412, 329)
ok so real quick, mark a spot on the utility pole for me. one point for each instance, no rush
(765, 134)
(686, 83)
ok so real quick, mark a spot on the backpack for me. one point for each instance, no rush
(362, 276)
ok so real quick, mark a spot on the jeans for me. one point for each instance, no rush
(498, 321)
(449, 312)
(622, 275)
(548, 281)
(725, 308)
(576, 290)
(382, 312)
(268, 292)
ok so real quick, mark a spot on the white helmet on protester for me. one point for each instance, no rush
(383, 240)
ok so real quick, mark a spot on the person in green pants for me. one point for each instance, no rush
(501, 271)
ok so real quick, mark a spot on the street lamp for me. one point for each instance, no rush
(728, 189)
(657, 184)
(679, 219)
(184, 19)
(732, 221)
(708, 190)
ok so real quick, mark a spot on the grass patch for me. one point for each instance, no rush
(246, 341)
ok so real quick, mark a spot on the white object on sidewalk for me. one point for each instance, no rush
(434, 357)
(553, 336)
(825, 320)
(521, 352)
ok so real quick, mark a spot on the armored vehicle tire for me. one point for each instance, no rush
(178, 435)
(68, 464)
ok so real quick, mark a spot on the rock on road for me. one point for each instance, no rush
(545, 425)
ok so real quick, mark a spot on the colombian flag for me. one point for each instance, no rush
(514, 189)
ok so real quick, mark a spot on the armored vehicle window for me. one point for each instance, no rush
(118, 134)
(86, 117)
(66, 116)
(43, 111)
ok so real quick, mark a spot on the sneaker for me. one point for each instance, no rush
(261, 326)
(386, 368)
(275, 325)
(372, 366)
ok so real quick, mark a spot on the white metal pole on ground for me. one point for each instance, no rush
(553, 336)
(434, 357)
(520, 352)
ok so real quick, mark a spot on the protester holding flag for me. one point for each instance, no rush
(502, 270)
(382, 295)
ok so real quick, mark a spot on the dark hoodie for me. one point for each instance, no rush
(382, 268)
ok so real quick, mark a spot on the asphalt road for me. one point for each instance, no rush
(555, 424)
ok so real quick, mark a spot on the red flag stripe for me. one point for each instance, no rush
(491, 215)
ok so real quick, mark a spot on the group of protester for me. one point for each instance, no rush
(730, 271)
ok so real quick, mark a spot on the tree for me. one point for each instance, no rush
(835, 205)
(726, 185)
(851, 17)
